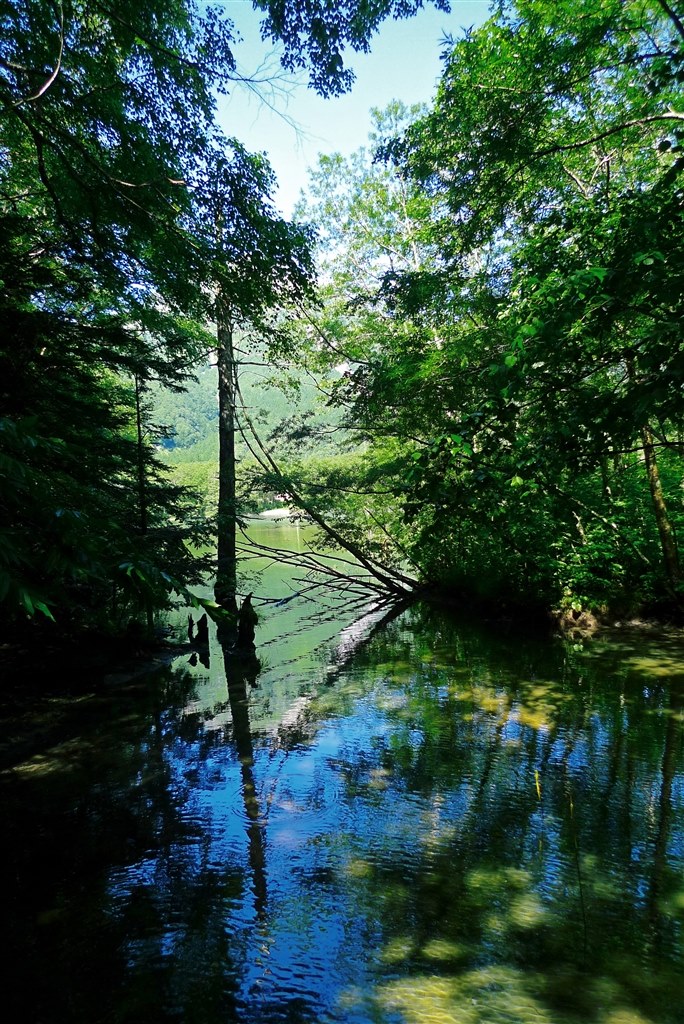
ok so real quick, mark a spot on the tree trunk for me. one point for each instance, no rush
(666, 532)
(226, 570)
(142, 487)
(142, 495)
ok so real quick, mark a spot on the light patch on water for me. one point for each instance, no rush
(534, 718)
(442, 949)
(399, 949)
(388, 700)
(293, 716)
(493, 995)
(358, 868)
(596, 880)
(661, 666)
(527, 911)
(65, 757)
(488, 700)
(286, 837)
(379, 778)
(675, 904)
(496, 880)
(626, 1016)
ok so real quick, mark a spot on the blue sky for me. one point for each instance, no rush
(404, 64)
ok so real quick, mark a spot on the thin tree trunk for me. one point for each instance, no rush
(142, 487)
(142, 495)
(666, 532)
(226, 570)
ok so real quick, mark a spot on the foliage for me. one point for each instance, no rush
(127, 223)
(103, 287)
(73, 513)
(524, 353)
(316, 33)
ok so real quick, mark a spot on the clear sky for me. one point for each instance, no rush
(404, 64)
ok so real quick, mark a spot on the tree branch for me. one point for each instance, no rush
(615, 130)
(52, 77)
(392, 579)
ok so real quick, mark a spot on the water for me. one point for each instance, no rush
(426, 821)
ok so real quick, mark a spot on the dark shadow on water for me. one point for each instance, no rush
(102, 864)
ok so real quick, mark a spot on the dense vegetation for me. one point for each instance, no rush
(505, 279)
(497, 324)
(128, 224)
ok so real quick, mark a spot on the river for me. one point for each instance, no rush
(417, 820)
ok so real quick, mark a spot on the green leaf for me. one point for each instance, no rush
(42, 607)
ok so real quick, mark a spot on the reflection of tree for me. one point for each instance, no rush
(539, 893)
(444, 878)
(672, 751)
(242, 669)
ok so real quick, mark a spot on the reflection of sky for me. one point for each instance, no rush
(509, 801)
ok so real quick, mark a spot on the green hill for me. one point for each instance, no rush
(289, 414)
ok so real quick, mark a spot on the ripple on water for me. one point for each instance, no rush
(429, 840)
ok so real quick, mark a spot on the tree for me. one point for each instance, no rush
(101, 284)
(369, 223)
(554, 150)
(262, 263)
(315, 34)
(112, 258)
(528, 365)
(82, 512)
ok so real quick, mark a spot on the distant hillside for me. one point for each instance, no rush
(292, 417)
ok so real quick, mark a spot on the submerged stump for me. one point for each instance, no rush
(247, 621)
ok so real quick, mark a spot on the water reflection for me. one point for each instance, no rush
(451, 826)
(242, 668)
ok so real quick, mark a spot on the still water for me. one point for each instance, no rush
(414, 820)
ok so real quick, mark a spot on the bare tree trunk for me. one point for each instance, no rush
(666, 532)
(226, 570)
(142, 495)
(142, 486)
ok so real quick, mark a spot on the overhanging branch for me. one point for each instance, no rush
(391, 579)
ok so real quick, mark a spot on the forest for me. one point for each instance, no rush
(470, 329)
(341, 593)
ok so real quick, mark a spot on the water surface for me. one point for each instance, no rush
(424, 821)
